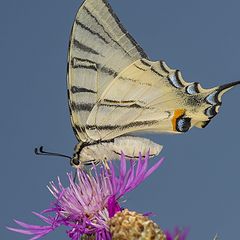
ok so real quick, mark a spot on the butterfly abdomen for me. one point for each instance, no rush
(130, 146)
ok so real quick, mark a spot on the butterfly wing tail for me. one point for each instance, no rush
(226, 87)
(214, 101)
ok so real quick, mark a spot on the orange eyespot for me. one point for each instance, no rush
(177, 113)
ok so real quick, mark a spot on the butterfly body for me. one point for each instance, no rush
(98, 151)
(114, 90)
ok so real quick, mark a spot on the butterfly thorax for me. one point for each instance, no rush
(85, 153)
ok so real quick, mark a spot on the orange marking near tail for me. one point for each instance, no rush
(177, 113)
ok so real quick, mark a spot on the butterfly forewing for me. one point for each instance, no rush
(100, 48)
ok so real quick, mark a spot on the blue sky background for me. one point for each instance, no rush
(198, 184)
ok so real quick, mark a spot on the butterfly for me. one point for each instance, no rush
(115, 90)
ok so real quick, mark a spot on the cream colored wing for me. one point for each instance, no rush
(150, 96)
(99, 49)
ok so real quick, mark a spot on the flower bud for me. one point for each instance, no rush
(127, 225)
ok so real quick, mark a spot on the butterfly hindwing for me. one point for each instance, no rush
(150, 96)
(100, 48)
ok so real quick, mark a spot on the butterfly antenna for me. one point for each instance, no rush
(40, 151)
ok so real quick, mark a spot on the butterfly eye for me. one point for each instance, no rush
(183, 124)
(75, 162)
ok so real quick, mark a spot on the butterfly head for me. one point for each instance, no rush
(75, 160)
(199, 108)
(86, 154)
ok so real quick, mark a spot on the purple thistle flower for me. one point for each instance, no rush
(179, 234)
(86, 206)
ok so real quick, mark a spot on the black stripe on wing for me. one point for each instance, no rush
(122, 104)
(211, 112)
(164, 67)
(156, 72)
(122, 101)
(75, 89)
(91, 31)
(77, 107)
(112, 13)
(145, 63)
(99, 24)
(176, 80)
(139, 49)
(83, 63)
(192, 88)
(135, 105)
(122, 127)
(135, 81)
(89, 64)
(83, 47)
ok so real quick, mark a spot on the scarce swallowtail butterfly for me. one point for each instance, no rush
(114, 90)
